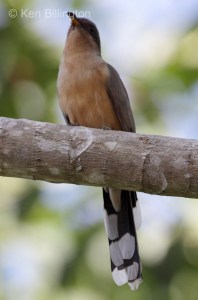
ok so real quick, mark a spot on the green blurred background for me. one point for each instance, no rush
(52, 239)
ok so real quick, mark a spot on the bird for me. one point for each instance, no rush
(92, 94)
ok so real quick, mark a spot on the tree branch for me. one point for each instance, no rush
(58, 153)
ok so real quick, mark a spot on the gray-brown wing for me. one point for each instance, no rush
(120, 100)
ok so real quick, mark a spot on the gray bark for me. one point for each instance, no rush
(58, 153)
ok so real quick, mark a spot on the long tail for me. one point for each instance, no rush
(122, 217)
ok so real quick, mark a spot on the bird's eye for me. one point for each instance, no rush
(91, 29)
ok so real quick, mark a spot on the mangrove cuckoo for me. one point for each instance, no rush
(92, 94)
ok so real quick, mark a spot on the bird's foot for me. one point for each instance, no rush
(106, 128)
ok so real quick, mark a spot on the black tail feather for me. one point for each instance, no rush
(121, 230)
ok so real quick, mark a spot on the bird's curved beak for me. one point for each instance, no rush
(73, 18)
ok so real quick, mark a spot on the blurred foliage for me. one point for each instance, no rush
(154, 88)
(44, 252)
(28, 69)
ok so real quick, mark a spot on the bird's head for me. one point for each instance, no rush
(83, 34)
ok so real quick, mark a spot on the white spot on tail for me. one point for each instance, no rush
(111, 225)
(115, 254)
(119, 276)
(127, 246)
(132, 271)
(137, 215)
(135, 284)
